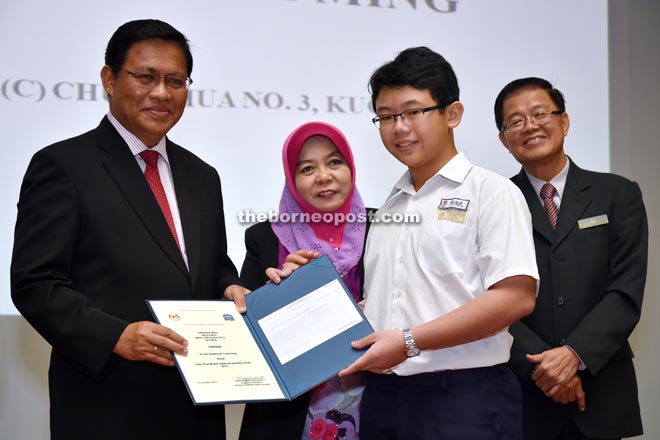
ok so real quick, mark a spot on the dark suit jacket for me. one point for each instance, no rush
(281, 420)
(91, 244)
(590, 298)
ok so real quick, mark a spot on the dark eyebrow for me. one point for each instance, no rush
(411, 102)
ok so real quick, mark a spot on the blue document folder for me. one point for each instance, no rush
(321, 362)
(290, 323)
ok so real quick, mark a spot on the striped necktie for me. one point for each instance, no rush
(153, 177)
(547, 193)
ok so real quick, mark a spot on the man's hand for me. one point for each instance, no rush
(554, 368)
(237, 294)
(148, 341)
(572, 391)
(292, 262)
(387, 350)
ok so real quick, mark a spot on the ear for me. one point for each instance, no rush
(504, 141)
(565, 123)
(454, 113)
(108, 79)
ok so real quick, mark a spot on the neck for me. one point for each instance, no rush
(420, 175)
(546, 171)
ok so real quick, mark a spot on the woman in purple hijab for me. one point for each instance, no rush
(321, 210)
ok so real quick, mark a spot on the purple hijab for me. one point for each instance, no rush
(346, 247)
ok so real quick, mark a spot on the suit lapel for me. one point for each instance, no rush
(540, 221)
(574, 202)
(125, 172)
(187, 197)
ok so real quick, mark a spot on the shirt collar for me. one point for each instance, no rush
(455, 170)
(559, 181)
(134, 144)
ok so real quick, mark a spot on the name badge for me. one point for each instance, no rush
(593, 221)
(454, 210)
(459, 204)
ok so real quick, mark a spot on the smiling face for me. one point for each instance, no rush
(426, 144)
(323, 177)
(147, 112)
(538, 148)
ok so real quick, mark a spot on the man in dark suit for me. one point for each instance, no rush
(94, 238)
(572, 354)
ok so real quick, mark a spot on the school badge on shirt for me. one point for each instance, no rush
(454, 210)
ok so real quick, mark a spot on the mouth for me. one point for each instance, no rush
(158, 112)
(534, 140)
(327, 193)
(405, 145)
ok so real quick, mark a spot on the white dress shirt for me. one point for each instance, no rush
(475, 231)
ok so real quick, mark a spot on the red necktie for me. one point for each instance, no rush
(153, 177)
(547, 192)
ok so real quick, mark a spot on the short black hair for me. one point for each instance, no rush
(421, 68)
(516, 86)
(140, 30)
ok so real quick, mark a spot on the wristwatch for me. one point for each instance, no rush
(412, 349)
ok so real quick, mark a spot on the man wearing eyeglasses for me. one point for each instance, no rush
(108, 219)
(442, 293)
(572, 355)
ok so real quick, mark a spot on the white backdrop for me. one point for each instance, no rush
(262, 67)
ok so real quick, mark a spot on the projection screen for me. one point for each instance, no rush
(262, 67)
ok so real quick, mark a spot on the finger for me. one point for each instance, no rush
(534, 358)
(302, 257)
(581, 399)
(239, 300)
(162, 352)
(160, 356)
(353, 368)
(287, 269)
(571, 396)
(361, 343)
(538, 376)
(275, 275)
(307, 253)
(237, 294)
(168, 334)
(166, 340)
(348, 370)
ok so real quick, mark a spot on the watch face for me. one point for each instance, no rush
(412, 352)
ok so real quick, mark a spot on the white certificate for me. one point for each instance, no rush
(224, 363)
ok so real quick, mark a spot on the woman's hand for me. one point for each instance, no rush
(291, 263)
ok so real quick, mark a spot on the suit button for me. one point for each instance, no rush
(562, 341)
(561, 301)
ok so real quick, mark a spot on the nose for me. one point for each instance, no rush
(400, 123)
(160, 90)
(323, 175)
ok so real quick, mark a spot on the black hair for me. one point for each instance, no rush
(140, 30)
(524, 84)
(421, 68)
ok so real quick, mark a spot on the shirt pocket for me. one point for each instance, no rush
(444, 247)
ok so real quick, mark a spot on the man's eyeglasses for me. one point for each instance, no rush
(151, 78)
(412, 115)
(538, 118)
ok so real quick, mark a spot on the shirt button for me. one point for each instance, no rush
(397, 293)
(561, 301)
(400, 259)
